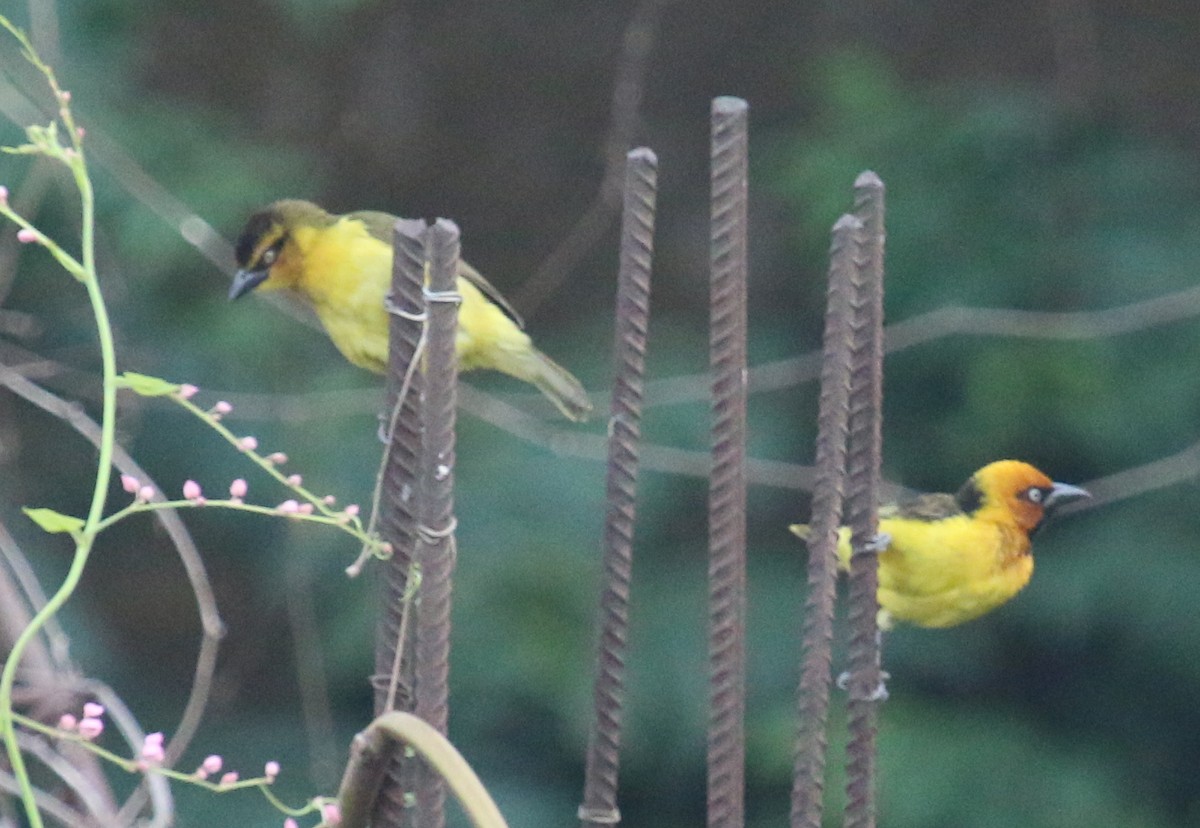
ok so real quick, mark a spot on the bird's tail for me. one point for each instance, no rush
(558, 384)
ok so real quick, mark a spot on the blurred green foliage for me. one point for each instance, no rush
(1073, 706)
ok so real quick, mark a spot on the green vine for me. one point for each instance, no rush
(47, 141)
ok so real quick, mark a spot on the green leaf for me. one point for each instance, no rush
(54, 522)
(145, 385)
(24, 149)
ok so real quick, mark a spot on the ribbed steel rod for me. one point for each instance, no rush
(398, 507)
(865, 687)
(435, 543)
(808, 783)
(727, 484)
(599, 807)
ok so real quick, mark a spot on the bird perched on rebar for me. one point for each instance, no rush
(946, 559)
(341, 266)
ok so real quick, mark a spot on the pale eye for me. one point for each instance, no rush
(268, 256)
(1034, 495)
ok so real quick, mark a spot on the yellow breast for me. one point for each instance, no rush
(942, 573)
(345, 273)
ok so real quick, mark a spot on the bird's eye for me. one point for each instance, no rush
(268, 256)
(1034, 495)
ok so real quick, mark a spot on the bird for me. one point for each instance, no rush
(341, 267)
(947, 559)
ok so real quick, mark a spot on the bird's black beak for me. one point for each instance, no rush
(245, 281)
(1061, 493)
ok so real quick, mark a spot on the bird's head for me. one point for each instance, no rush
(1015, 492)
(266, 253)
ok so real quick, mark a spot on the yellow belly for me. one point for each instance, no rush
(348, 276)
(943, 573)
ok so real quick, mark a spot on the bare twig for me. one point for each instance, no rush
(154, 786)
(727, 485)
(398, 507)
(436, 547)
(94, 802)
(808, 782)
(212, 627)
(369, 753)
(954, 320)
(324, 749)
(49, 805)
(632, 65)
(599, 806)
(864, 450)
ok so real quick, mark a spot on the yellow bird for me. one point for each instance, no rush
(341, 266)
(951, 558)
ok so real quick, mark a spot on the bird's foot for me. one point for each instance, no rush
(875, 545)
(878, 693)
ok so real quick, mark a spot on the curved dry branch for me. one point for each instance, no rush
(641, 33)
(954, 320)
(369, 755)
(212, 627)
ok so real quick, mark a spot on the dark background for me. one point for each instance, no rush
(1039, 156)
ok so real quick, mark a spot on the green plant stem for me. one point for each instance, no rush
(87, 536)
(368, 755)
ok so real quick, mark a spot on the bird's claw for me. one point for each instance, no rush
(875, 545)
(878, 693)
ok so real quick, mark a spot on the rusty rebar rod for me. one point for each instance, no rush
(435, 529)
(599, 806)
(401, 426)
(808, 782)
(865, 686)
(727, 483)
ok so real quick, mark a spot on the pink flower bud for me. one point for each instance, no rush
(294, 480)
(64, 96)
(229, 778)
(145, 494)
(93, 710)
(277, 457)
(237, 489)
(191, 490)
(248, 443)
(67, 722)
(352, 510)
(152, 749)
(90, 728)
(305, 508)
(271, 770)
(329, 500)
(80, 132)
(27, 235)
(130, 483)
(290, 823)
(187, 390)
(212, 764)
(288, 507)
(331, 813)
(3, 194)
(222, 408)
